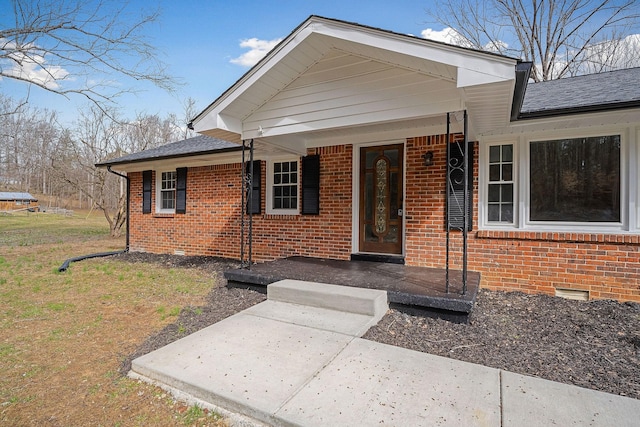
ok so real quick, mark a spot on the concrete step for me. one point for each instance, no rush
(342, 322)
(369, 302)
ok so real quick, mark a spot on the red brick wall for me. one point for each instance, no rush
(211, 225)
(608, 266)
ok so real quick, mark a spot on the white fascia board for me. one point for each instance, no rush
(501, 68)
(467, 77)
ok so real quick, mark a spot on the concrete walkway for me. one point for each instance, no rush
(297, 360)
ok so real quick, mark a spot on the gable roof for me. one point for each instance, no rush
(198, 145)
(593, 92)
(336, 79)
(9, 195)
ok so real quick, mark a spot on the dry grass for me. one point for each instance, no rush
(64, 335)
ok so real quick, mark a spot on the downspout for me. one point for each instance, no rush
(66, 263)
(126, 249)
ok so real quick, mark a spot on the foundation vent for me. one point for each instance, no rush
(574, 294)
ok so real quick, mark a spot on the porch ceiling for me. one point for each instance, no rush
(331, 81)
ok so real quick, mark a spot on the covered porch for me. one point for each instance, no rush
(413, 289)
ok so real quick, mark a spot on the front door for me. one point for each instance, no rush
(381, 195)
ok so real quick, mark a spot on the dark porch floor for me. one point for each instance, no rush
(413, 289)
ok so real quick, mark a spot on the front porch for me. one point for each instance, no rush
(413, 289)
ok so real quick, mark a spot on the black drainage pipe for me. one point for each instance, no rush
(65, 264)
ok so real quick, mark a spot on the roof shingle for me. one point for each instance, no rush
(200, 144)
(592, 91)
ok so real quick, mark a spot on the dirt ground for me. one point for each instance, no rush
(592, 344)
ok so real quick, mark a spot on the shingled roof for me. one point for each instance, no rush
(11, 196)
(198, 145)
(592, 92)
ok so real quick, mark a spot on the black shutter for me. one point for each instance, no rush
(181, 190)
(311, 185)
(146, 191)
(256, 189)
(455, 193)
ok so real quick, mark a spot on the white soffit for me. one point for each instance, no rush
(400, 78)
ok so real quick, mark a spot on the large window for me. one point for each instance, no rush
(167, 197)
(575, 180)
(282, 191)
(574, 183)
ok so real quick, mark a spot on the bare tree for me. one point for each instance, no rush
(561, 37)
(79, 47)
(190, 112)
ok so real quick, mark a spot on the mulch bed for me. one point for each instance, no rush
(593, 344)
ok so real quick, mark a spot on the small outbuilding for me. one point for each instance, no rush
(10, 201)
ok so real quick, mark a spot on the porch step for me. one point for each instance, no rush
(370, 302)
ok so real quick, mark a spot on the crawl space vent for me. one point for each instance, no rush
(574, 294)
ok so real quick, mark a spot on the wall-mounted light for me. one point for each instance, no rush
(428, 158)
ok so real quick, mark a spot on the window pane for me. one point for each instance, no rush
(507, 213)
(494, 154)
(285, 167)
(507, 172)
(494, 193)
(506, 193)
(494, 213)
(277, 167)
(575, 180)
(294, 167)
(507, 153)
(494, 173)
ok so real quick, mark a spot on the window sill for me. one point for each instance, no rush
(555, 236)
(289, 216)
(164, 215)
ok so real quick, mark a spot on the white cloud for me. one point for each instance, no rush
(450, 36)
(257, 50)
(446, 35)
(28, 63)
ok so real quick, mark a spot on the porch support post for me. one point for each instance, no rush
(250, 185)
(446, 210)
(242, 209)
(463, 168)
(465, 215)
(246, 204)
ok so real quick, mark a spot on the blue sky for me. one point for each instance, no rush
(199, 39)
(203, 43)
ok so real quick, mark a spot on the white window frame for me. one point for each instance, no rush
(269, 190)
(483, 189)
(159, 191)
(629, 165)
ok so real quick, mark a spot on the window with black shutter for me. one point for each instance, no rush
(181, 190)
(146, 191)
(311, 185)
(455, 192)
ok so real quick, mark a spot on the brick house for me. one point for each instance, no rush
(358, 137)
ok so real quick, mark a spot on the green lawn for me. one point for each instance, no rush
(64, 335)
